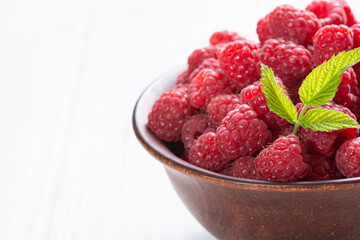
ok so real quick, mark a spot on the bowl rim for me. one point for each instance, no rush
(170, 159)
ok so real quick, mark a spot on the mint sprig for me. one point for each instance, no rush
(276, 100)
(318, 88)
(326, 120)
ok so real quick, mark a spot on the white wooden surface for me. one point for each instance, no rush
(70, 73)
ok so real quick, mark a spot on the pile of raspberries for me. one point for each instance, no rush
(218, 112)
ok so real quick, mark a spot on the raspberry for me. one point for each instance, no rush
(254, 97)
(348, 90)
(224, 37)
(263, 29)
(244, 167)
(204, 153)
(348, 158)
(294, 25)
(288, 60)
(319, 142)
(194, 127)
(330, 40)
(183, 78)
(349, 15)
(207, 84)
(209, 63)
(283, 161)
(227, 170)
(323, 168)
(356, 30)
(281, 132)
(348, 133)
(199, 55)
(239, 61)
(220, 105)
(293, 90)
(169, 113)
(241, 133)
(325, 143)
(328, 12)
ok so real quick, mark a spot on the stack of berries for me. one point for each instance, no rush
(229, 120)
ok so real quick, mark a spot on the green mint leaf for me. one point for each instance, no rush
(325, 120)
(276, 99)
(320, 86)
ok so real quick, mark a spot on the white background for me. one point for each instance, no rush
(70, 73)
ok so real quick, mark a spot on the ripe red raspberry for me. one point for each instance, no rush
(283, 161)
(241, 133)
(330, 40)
(288, 60)
(293, 90)
(194, 127)
(328, 12)
(239, 61)
(356, 30)
(183, 78)
(224, 37)
(348, 90)
(294, 25)
(281, 132)
(204, 153)
(255, 98)
(348, 158)
(348, 133)
(209, 63)
(349, 15)
(219, 107)
(244, 167)
(199, 55)
(326, 143)
(227, 170)
(323, 168)
(263, 29)
(207, 84)
(169, 113)
(319, 142)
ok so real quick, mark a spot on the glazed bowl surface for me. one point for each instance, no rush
(235, 208)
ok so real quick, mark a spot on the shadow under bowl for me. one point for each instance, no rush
(235, 208)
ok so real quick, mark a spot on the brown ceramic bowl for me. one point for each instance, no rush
(234, 208)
